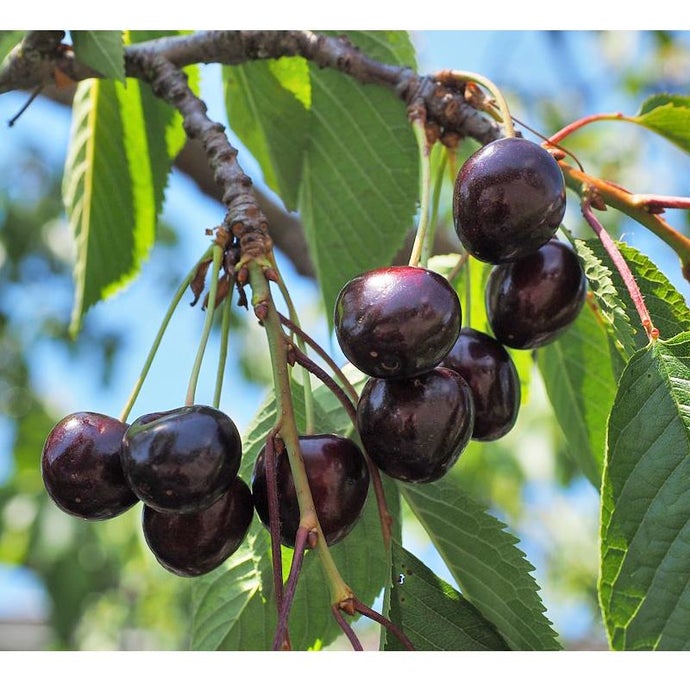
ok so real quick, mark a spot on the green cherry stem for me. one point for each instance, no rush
(208, 322)
(223, 351)
(428, 244)
(425, 172)
(179, 293)
(468, 294)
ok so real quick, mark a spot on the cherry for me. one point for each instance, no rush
(489, 370)
(508, 200)
(80, 466)
(397, 321)
(338, 478)
(530, 302)
(181, 460)
(191, 544)
(415, 429)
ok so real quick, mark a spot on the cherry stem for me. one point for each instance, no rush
(627, 203)
(349, 388)
(301, 539)
(347, 629)
(574, 126)
(208, 323)
(294, 317)
(425, 172)
(480, 79)
(179, 293)
(274, 516)
(223, 351)
(385, 622)
(428, 244)
(278, 345)
(384, 515)
(622, 268)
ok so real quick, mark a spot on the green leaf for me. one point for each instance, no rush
(8, 41)
(433, 615)
(645, 519)
(267, 103)
(360, 175)
(122, 145)
(251, 619)
(666, 306)
(669, 116)
(104, 51)
(492, 573)
(580, 383)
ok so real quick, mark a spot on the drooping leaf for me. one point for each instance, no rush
(669, 116)
(360, 174)
(267, 104)
(581, 385)
(645, 518)
(361, 559)
(433, 615)
(104, 51)
(490, 570)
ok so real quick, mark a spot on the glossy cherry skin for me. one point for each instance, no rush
(491, 374)
(397, 321)
(338, 479)
(415, 429)
(192, 544)
(508, 200)
(530, 302)
(181, 460)
(80, 466)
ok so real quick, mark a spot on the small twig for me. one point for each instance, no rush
(29, 101)
(274, 516)
(385, 622)
(622, 268)
(347, 629)
(301, 539)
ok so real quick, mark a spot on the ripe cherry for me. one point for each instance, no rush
(414, 429)
(397, 321)
(530, 302)
(192, 544)
(181, 460)
(508, 200)
(491, 374)
(80, 466)
(338, 478)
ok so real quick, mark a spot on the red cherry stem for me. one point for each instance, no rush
(385, 622)
(574, 126)
(622, 268)
(274, 516)
(347, 629)
(301, 539)
(641, 208)
(347, 386)
(384, 515)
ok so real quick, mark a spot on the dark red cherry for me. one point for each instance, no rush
(191, 544)
(80, 466)
(489, 370)
(508, 200)
(530, 302)
(181, 460)
(397, 321)
(415, 429)
(338, 478)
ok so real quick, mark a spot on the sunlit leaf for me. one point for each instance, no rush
(669, 116)
(101, 50)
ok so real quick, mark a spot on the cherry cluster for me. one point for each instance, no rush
(182, 464)
(433, 384)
